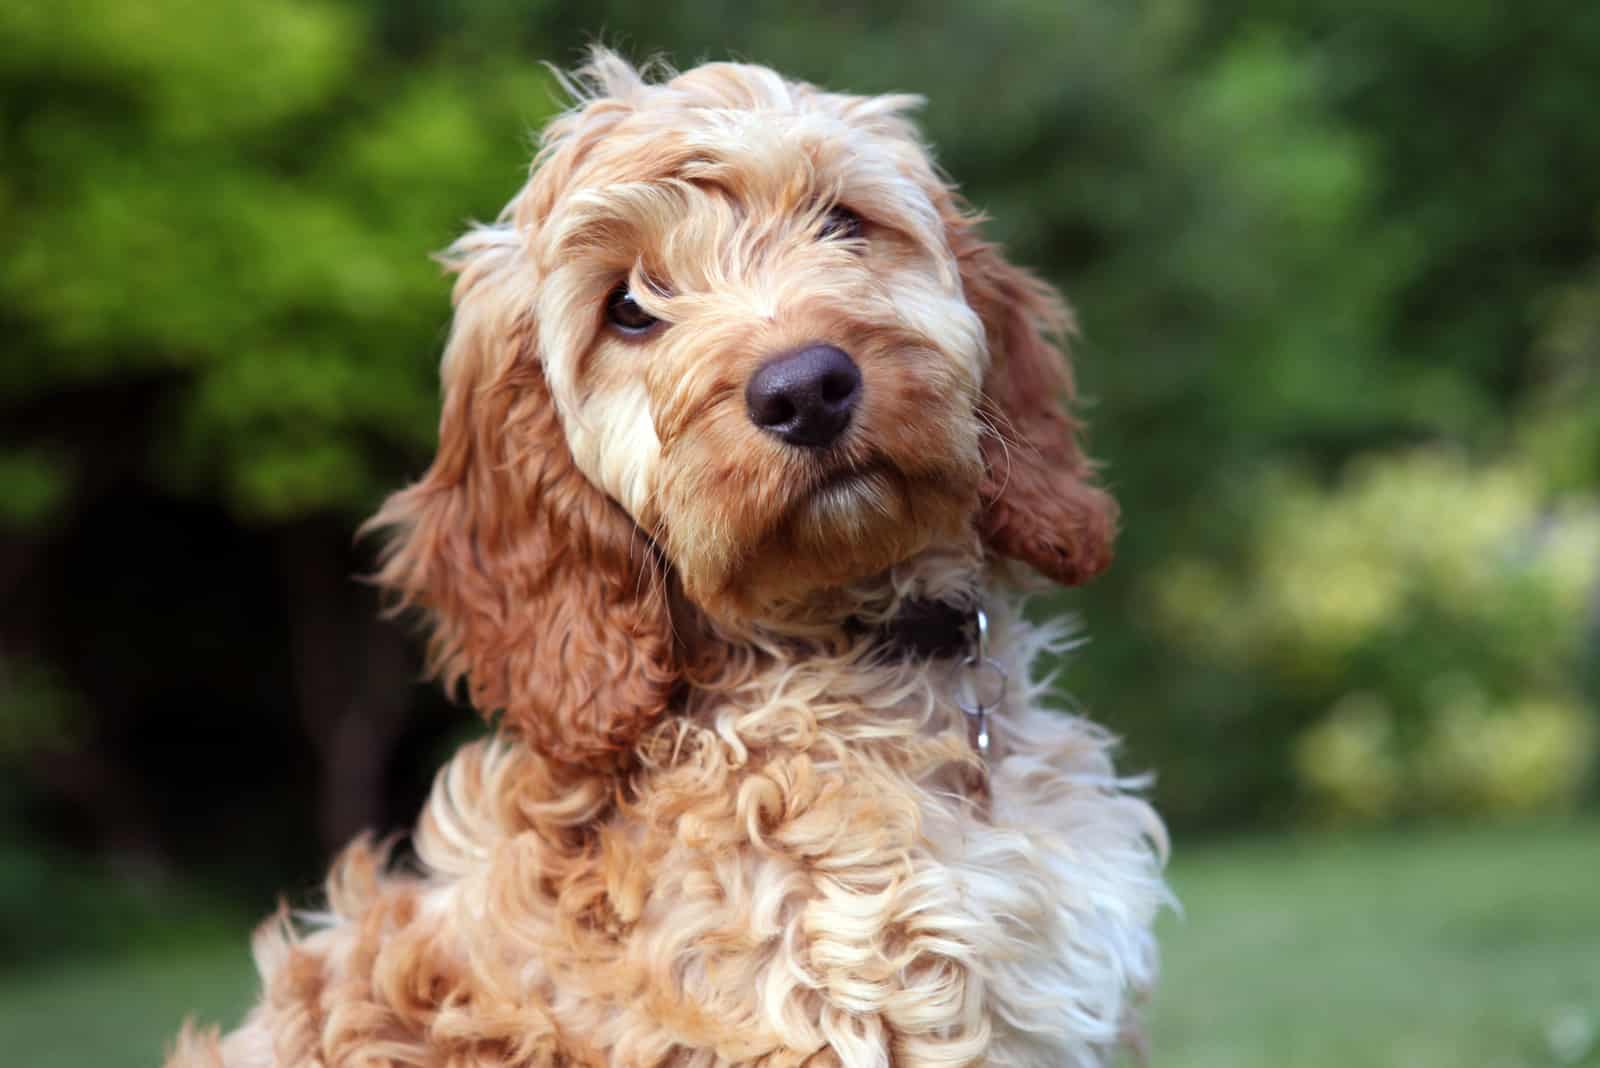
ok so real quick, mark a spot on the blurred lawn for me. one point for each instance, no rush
(1461, 949)
(1470, 949)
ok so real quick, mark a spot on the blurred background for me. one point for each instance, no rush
(1338, 268)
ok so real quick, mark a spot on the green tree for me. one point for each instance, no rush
(217, 287)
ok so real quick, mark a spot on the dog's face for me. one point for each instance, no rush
(734, 332)
(755, 333)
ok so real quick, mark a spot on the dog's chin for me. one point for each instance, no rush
(846, 526)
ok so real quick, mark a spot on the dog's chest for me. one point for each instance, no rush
(1057, 880)
(888, 906)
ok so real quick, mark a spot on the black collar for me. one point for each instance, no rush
(926, 628)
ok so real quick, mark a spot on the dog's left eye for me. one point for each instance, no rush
(842, 223)
(624, 313)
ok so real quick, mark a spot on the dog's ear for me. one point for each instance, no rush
(541, 593)
(1040, 501)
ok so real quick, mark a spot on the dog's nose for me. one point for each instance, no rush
(805, 397)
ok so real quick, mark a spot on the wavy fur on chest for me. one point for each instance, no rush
(800, 873)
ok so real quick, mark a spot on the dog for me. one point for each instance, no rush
(750, 447)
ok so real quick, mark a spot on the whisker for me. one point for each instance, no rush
(1005, 449)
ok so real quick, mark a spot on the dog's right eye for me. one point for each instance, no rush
(624, 313)
(842, 223)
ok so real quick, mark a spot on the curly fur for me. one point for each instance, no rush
(718, 826)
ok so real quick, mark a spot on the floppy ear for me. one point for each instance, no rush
(540, 591)
(1040, 503)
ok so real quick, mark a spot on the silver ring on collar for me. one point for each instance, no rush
(983, 686)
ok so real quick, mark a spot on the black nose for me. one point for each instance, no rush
(806, 396)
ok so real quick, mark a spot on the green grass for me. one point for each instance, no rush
(122, 1011)
(1472, 949)
(1475, 949)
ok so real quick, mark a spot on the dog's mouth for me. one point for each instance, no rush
(846, 514)
(851, 479)
(852, 498)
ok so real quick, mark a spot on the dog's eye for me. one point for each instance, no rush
(841, 223)
(624, 313)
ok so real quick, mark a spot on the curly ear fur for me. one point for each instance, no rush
(1040, 503)
(541, 592)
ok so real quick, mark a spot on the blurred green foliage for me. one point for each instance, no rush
(1337, 265)
(239, 199)
(1436, 611)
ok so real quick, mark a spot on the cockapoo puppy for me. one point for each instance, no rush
(749, 439)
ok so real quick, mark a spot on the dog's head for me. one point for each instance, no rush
(737, 337)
